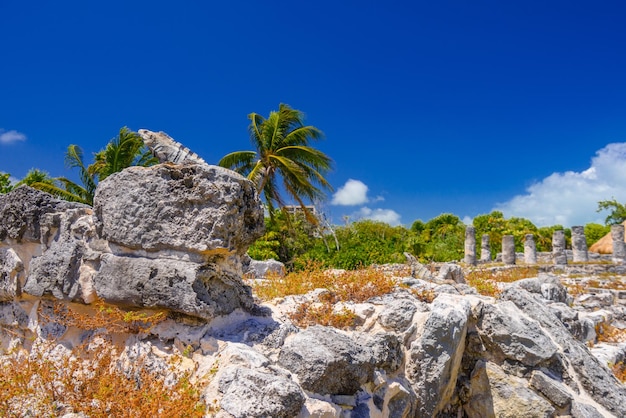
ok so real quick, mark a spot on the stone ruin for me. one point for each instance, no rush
(173, 237)
(559, 255)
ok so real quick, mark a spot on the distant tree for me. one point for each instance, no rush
(494, 225)
(361, 244)
(594, 231)
(617, 210)
(283, 152)
(125, 150)
(545, 234)
(444, 237)
(519, 228)
(5, 183)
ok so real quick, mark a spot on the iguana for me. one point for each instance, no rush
(167, 150)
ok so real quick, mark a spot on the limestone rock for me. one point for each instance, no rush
(583, 410)
(327, 361)
(435, 356)
(57, 271)
(260, 269)
(555, 391)
(254, 393)
(497, 394)
(22, 209)
(595, 378)
(509, 331)
(397, 314)
(188, 288)
(452, 272)
(11, 274)
(194, 208)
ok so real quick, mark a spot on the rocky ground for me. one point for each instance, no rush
(172, 239)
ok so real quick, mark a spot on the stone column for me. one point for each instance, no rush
(485, 248)
(619, 247)
(530, 249)
(470, 245)
(558, 248)
(508, 249)
(579, 244)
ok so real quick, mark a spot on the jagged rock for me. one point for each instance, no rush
(242, 355)
(581, 328)
(317, 408)
(386, 350)
(451, 272)
(189, 288)
(497, 394)
(555, 391)
(13, 315)
(22, 209)
(582, 410)
(595, 378)
(506, 329)
(196, 208)
(548, 286)
(57, 271)
(253, 393)
(327, 361)
(397, 314)
(260, 269)
(434, 357)
(11, 274)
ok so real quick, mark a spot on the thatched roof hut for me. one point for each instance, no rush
(605, 244)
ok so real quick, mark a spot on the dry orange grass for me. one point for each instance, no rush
(35, 386)
(346, 286)
(485, 280)
(342, 286)
(610, 334)
(619, 370)
(89, 379)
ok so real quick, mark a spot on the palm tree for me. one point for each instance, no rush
(283, 151)
(125, 150)
(67, 189)
(34, 177)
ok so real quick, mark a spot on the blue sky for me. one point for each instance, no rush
(427, 107)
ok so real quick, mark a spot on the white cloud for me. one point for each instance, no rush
(10, 137)
(571, 198)
(354, 192)
(383, 215)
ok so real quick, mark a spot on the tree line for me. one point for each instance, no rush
(291, 239)
(284, 161)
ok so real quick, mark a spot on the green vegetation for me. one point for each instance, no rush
(295, 241)
(283, 152)
(617, 210)
(123, 151)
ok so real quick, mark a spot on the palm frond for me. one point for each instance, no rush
(240, 161)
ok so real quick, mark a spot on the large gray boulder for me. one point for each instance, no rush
(193, 208)
(327, 361)
(595, 378)
(434, 358)
(508, 331)
(193, 289)
(494, 393)
(254, 393)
